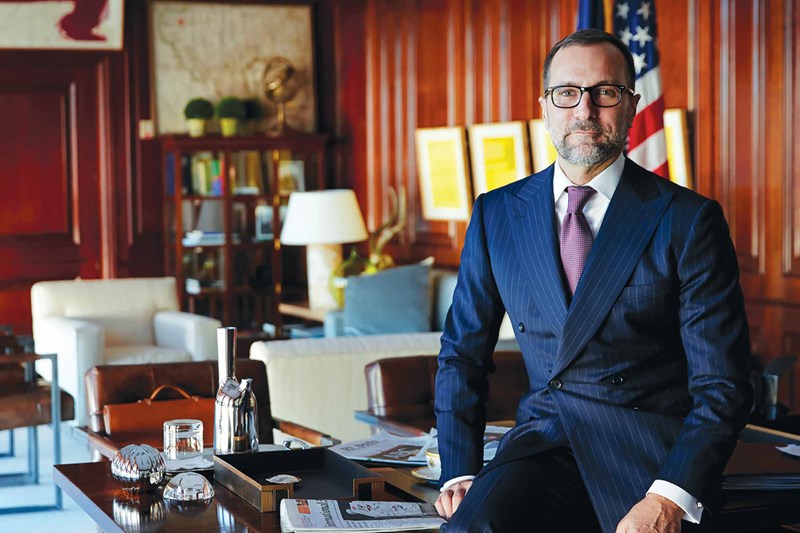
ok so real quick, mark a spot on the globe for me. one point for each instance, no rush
(281, 84)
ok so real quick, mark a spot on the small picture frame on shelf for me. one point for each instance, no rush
(265, 230)
(291, 177)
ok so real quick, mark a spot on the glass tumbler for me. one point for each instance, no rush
(183, 439)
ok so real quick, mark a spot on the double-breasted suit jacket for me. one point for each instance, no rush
(643, 372)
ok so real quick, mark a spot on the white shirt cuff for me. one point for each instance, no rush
(692, 509)
(455, 480)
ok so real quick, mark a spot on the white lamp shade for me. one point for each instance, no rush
(323, 217)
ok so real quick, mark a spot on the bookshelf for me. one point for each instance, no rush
(225, 199)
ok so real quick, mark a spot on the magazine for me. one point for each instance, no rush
(386, 447)
(301, 515)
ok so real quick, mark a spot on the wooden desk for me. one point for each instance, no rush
(91, 486)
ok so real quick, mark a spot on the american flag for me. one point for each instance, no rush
(634, 22)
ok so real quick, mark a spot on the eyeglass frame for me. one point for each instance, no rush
(622, 88)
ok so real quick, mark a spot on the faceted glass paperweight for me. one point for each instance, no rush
(188, 487)
(138, 467)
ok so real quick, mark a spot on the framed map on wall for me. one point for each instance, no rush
(211, 50)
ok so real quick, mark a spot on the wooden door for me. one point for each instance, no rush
(50, 174)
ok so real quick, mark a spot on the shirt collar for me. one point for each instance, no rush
(604, 183)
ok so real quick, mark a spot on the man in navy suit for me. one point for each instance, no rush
(624, 289)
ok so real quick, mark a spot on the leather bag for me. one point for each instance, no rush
(148, 415)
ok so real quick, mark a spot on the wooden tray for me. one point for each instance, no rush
(323, 475)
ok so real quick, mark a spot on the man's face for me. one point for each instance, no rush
(587, 135)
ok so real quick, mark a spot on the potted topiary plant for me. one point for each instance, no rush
(253, 113)
(197, 112)
(230, 110)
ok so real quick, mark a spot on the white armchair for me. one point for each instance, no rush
(114, 321)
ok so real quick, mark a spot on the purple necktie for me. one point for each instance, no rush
(576, 236)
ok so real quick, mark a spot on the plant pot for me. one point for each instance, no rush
(197, 127)
(229, 126)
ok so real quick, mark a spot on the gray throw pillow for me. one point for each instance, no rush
(396, 300)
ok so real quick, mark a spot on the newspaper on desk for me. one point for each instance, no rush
(385, 447)
(302, 515)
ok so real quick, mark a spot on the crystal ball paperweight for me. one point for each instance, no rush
(138, 467)
(188, 487)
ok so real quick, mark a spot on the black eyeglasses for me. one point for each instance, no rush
(567, 96)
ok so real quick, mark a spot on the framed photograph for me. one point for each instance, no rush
(217, 49)
(291, 177)
(65, 25)
(677, 136)
(498, 154)
(265, 229)
(442, 169)
(542, 149)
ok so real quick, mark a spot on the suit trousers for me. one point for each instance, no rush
(541, 493)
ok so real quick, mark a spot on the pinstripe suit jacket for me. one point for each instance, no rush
(644, 373)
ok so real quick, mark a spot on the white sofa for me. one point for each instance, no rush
(114, 321)
(320, 382)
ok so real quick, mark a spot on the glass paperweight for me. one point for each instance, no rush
(138, 467)
(188, 487)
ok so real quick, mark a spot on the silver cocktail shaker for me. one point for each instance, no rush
(235, 410)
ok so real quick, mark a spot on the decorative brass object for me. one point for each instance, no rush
(281, 85)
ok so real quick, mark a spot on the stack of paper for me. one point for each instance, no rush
(385, 447)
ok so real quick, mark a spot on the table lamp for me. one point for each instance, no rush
(322, 221)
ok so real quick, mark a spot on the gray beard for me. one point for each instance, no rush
(589, 155)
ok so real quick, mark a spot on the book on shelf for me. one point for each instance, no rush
(186, 175)
(248, 177)
(207, 177)
(303, 515)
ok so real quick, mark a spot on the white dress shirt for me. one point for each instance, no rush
(595, 209)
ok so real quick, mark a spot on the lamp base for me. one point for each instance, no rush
(321, 260)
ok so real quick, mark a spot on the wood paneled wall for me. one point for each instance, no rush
(405, 64)
(385, 68)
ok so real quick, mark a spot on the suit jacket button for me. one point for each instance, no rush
(556, 384)
(617, 380)
(521, 327)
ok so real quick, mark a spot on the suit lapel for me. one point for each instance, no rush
(631, 219)
(533, 213)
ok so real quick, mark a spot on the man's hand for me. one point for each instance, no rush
(653, 514)
(450, 499)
